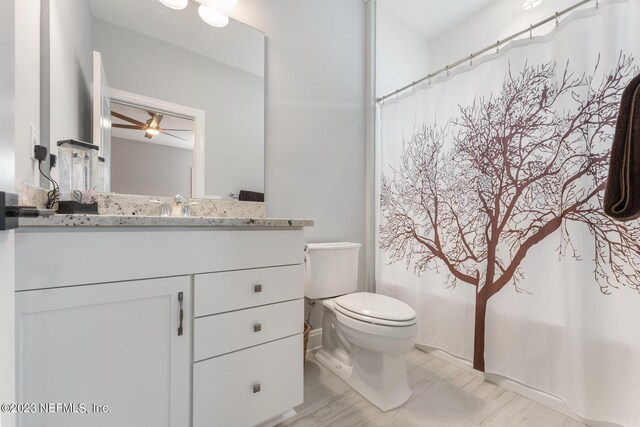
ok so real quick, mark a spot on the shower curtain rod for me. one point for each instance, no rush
(496, 45)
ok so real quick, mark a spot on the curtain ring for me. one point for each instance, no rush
(498, 46)
(447, 68)
(557, 20)
(471, 60)
(429, 80)
(531, 31)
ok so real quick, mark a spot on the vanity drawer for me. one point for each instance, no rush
(224, 333)
(250, 386)
(233, 290)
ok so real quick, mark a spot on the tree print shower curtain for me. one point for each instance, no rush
(490, 219)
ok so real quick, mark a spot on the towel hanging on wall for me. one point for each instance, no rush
(622, 194)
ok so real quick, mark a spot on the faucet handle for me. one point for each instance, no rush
(187, 208)
(164, 210)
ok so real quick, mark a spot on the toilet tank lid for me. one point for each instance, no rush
(376, 306)
(331, 246)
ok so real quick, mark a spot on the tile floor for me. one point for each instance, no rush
(443, 395)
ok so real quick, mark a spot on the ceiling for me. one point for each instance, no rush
(432, 17)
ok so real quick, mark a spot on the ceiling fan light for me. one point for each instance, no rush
(175, 4)
(212, 16)
(152, 131)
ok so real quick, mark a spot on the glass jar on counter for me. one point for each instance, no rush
(79, 172)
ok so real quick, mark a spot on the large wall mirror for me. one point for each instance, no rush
(185, 99)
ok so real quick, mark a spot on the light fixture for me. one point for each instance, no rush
(212, 16)
(530, 4)
(211, 11)
(175, 4)
(152, 131)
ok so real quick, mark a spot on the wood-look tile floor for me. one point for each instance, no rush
(443, 395)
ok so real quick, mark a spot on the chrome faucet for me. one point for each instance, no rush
(164, 211)
(177, 209)
(187, 209)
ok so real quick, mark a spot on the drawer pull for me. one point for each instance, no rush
(180, 298)
(256, 388)
(257, 327)
(257, 288)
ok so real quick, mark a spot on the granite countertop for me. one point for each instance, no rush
(159, 221)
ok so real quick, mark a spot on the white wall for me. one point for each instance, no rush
(150, 169)
(7, 247)
(401, 53)
(497, 21)
(71, 72)
(315, 113)
(232, 99)
(27, 108)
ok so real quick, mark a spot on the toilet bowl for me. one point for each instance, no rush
(365, 336)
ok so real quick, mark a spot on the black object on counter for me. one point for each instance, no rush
(73, 207)
(250, 196)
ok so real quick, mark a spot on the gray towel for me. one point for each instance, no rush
(622, 194)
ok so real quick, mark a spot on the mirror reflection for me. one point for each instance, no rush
(149, 51)
(151, 151)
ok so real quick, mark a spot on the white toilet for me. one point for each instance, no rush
(365, 336)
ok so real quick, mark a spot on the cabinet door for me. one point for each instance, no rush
(116, 345)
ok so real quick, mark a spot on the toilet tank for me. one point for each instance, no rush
(331, 269)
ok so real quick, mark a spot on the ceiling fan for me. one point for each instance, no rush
(151, 127)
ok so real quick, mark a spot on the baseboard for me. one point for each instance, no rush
(538, 396)
(315, 340)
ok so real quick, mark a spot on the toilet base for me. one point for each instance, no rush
(379, 378)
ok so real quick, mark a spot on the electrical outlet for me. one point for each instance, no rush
(34, 139)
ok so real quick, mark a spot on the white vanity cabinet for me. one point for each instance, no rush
(98, 312)
(118, 351)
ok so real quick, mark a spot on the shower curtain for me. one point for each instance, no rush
(490, 220)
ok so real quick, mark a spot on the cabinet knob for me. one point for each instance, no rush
(257, 327)
(257, 288)
(256, 388)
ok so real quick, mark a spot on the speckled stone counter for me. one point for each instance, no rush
(158, 221)
(125, 204)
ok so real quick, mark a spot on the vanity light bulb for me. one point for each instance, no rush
(212, 16)
(175, 4)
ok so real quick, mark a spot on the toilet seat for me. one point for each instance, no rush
(375, 309)
(376, 329)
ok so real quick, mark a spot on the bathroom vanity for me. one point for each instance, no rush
(149, 321)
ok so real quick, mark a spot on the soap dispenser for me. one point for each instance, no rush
(177, 209)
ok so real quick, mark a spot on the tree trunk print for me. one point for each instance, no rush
(474, 197)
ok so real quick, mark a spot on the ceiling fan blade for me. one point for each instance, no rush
(175, 136)
(154, 121)
(127, 119)
(121, 126)
(176, 130)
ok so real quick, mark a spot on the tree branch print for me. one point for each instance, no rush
(471, 199)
